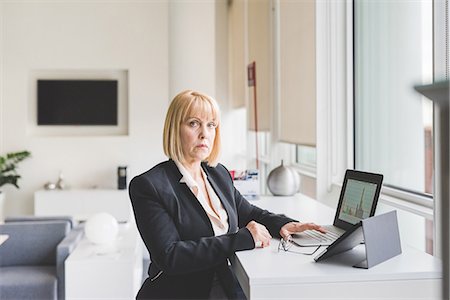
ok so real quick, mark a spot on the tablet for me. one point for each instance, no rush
(347, 241)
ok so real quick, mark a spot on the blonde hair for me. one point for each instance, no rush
(180, 109)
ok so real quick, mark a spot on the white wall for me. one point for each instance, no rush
(166, 46)
(198, 59)
(192, 46)
(70, 35)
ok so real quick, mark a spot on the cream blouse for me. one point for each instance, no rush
(219, 222)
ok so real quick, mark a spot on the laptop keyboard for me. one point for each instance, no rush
(322, 237)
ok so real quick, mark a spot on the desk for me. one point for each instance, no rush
(267, 273)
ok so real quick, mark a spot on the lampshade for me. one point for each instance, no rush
(101, 228)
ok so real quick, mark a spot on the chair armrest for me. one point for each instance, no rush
(65, 247)
(28, 218)
(42, 237)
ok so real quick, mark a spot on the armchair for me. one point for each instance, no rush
(31, 218)
(32, 259)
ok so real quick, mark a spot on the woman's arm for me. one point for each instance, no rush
(248, 212)
(278, 225)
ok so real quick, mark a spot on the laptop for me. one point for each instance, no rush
(358, 201)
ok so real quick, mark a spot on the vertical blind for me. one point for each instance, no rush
(251, 39)
(237, 56)
(297, 72)
(260, 51)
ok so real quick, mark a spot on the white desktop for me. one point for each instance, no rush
(270, 274)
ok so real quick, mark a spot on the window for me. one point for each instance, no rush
(393, 52)
(305, 156)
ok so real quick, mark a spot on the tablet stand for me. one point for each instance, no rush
(382, 239)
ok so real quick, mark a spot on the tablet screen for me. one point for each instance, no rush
(358, 200)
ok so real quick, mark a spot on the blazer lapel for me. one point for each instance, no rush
(182, 191)
(232, 217)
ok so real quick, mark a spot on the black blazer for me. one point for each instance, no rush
(185, 255)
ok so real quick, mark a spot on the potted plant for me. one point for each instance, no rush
(8, 172)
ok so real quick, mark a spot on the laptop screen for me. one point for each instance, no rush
(358, 201)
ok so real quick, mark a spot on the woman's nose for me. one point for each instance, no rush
(203, 132)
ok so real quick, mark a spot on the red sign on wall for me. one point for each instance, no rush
(251, 74)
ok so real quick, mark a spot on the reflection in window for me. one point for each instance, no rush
(393, 123)
(393, 52)
(305, 156)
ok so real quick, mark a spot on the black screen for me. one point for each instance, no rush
(77, 102)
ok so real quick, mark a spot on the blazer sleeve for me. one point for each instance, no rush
(171, 254)
(248, 212)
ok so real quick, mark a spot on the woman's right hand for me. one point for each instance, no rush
(260, 234)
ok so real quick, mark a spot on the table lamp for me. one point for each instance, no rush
(101, 229)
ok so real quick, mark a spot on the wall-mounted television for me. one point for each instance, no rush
(77, 102)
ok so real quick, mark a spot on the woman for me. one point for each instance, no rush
(189, 214)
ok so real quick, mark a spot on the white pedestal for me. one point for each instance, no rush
(98, 272)
(80, 204)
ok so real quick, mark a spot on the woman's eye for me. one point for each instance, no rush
(193, 123)
(212, 125)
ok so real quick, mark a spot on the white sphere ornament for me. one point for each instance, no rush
(101, 228)
(283, 181)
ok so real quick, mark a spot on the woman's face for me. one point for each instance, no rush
(197, 137)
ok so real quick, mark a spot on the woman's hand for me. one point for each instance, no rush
(260, 234)
(294, 227)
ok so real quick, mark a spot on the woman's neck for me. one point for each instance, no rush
(194, 168)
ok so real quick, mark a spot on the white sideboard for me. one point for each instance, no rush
(80, 204)
(106, 272)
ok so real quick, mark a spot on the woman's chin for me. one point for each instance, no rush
(199, 158)
(202, 153)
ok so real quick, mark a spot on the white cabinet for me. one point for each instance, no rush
(80, 204)
(106, 272)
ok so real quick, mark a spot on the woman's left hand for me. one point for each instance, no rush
(294, 227)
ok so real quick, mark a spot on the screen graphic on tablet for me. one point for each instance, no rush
(358, 200)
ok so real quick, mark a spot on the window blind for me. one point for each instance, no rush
(297, 72)
(237, 45)
(260, 51)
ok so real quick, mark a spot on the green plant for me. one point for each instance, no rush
(8, 166)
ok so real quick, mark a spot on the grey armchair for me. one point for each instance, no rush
(31, 218)
(32, 259)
